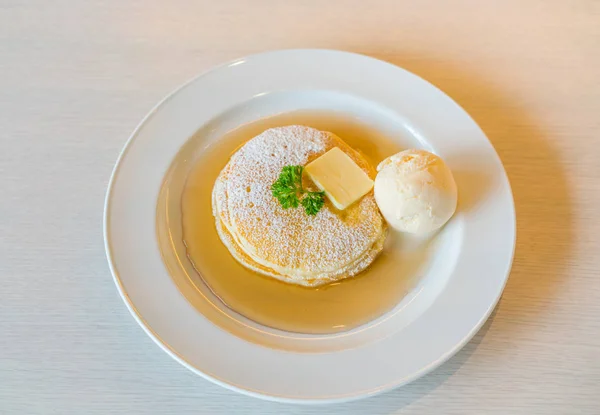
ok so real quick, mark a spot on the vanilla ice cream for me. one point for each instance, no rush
(415, 191)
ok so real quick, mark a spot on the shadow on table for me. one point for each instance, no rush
(544, 219)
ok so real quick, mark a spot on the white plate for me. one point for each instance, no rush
(455, 295)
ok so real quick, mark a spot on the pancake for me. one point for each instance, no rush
(288, 244)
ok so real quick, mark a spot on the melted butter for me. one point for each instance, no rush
(336, 307)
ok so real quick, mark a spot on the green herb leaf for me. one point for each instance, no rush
(313, 202)
(288, 187)
(288, 190)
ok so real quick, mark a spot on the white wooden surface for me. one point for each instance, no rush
(77, 76)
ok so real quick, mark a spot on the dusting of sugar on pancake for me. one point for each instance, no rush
(286, 243)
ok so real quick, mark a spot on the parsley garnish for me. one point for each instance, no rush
(313, 202)
(288, 190)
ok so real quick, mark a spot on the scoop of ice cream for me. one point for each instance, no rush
(415, 191)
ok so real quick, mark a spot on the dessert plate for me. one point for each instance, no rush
(457, 285)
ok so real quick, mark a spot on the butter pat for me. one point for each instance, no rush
(339, 177)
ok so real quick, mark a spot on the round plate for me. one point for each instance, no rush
(455, 294)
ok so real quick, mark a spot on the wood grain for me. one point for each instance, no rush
(76, 77)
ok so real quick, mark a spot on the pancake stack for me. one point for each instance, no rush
(288, 244)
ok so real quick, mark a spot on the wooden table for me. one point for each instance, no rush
(77, 76)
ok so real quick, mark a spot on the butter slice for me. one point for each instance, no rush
(339, 177)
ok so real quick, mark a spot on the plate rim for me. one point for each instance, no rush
(247, 391)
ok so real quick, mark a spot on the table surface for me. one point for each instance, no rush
(75, 79)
